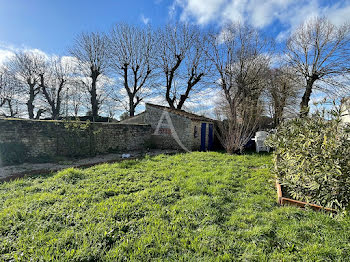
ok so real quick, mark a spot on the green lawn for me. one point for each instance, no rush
(187, 207)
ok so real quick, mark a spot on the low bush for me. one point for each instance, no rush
(312, 159)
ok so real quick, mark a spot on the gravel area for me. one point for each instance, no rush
(12, 172)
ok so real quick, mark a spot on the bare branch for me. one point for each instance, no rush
(319, 51)
(132, 52)
(91, 52)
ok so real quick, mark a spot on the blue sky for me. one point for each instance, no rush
(51, 25)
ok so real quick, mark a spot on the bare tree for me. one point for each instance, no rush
(132, 52)
(235, 132)
(283, 89)
(91, 52)
(241, 61)
(319, 51)
(74, 98)
(53, 80)
(25, 66)
(10, 89)
(182, 61)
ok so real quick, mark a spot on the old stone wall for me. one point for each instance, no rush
(32, 140)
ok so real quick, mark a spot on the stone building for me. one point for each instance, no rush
(176, 129)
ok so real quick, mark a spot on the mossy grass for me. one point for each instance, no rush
(186, 207)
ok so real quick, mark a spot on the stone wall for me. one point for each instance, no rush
(33, 140)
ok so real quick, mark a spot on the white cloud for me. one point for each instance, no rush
(172, 10)
(145, 20)
(338, 14)
(202, 10)
(8, 51)
(234, 11)
(296, 15)
(158, 100)
(5, 55)
(262, 13)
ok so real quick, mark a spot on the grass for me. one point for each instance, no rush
(187, 207)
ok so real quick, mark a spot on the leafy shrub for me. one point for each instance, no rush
(312, 159)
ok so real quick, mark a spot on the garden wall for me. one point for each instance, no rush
(33, 140)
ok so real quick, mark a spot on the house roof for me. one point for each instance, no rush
(181, 113)
(138, 119)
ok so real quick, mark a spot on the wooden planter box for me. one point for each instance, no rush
(288, 201)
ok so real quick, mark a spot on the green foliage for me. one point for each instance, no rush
(70, 175)
(12, 153)
(312, 159)
(186, 207)
(81, 138)
(77, 126)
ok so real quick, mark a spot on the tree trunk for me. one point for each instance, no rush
(76, 111)
(12, 112)
(304, 105)
(55, 114)
(93, 98)
(131, 106)
(276, 117)
(169, 99)
(57, 110)
(38, 114)
(181, 102)
(30, 102)
(169, 81)
(190, 84)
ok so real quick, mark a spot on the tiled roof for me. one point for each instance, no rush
(182, 113)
